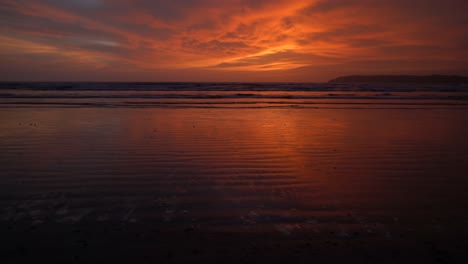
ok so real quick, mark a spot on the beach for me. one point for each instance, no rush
(280, 177)
(240, 131)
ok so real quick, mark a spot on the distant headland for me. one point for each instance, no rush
(420, 79)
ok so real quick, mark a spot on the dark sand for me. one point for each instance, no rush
(156, 185)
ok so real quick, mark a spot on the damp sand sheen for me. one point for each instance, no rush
(230, 172)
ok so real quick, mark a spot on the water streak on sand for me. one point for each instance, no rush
(286, 170)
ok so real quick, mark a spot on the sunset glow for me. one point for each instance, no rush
(234, 40)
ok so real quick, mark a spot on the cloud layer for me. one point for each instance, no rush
(232, 40)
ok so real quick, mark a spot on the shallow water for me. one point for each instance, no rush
(379, 172)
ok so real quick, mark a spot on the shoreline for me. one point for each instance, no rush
(266, 185)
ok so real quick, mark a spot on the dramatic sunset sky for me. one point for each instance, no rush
(229, 40)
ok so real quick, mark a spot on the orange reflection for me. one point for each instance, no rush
(241, 168)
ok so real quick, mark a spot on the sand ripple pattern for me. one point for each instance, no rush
(324, 171)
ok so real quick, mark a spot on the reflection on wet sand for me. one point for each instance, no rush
(314, 174)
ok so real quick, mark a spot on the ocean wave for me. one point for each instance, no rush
(183, 86)
(386, 96)
(236, 104)
(225, 95)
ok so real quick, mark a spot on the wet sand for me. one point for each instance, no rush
(176, 185)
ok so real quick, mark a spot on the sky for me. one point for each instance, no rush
(229, 40)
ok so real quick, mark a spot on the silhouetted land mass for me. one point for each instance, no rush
(428, 79)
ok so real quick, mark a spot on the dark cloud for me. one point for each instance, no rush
(77, 4)
(345, 32)
(243, 31)
(217, 47)
(324, 6)
(162, 9)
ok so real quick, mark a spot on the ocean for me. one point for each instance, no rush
(236, 95)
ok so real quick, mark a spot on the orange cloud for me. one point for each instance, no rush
(275, 40)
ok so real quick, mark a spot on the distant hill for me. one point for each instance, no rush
(428, 79)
